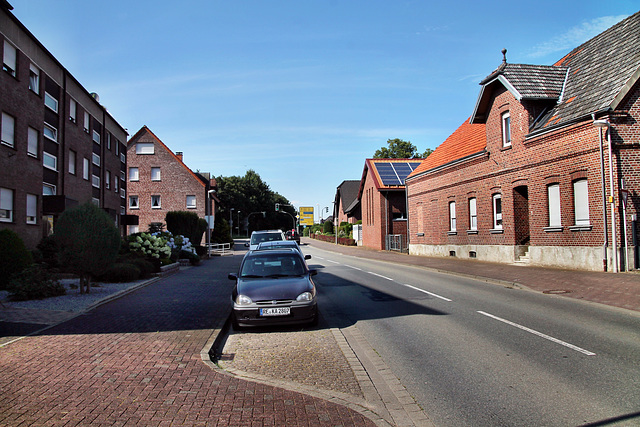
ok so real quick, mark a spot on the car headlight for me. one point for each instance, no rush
(243, 300)
(304, 297)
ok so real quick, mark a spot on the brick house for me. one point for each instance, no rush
(347, 202)
(527, 177)
(60, 147)
(159, 182)
(383, 202)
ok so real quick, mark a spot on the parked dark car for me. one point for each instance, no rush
(273, 287)
(293, 235)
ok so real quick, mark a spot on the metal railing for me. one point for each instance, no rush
(395, 242)
(219, 249)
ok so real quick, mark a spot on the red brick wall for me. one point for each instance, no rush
(177, 181)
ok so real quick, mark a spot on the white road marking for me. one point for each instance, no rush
(379, 275)
(427, 292)
(333, 262)
(540, 334)
(355, 268)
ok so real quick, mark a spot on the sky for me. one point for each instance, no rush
(301, 92)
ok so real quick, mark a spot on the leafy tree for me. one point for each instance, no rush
(88, 241)
(399, 149)
(14, 256)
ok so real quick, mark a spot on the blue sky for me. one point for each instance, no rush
(301, 91)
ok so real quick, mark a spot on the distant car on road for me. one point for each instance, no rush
(273, 287)
(280, 244)
(258, 237)
(293, 235)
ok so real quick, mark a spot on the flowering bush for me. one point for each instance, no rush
(149, 245)
(181, 243)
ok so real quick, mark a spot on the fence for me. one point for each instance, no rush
(396, 242)
(218, 249)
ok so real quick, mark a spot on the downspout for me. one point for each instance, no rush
(605, 226)
(386, 220)
(406, 208)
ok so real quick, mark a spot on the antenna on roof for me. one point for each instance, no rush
(504, 56)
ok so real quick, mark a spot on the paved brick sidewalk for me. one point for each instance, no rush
(618, 290)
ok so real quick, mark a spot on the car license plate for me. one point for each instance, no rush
(276, 311)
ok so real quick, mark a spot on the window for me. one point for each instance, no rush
(473, 214)
(95, 158)
(73, 107)
(107, 180)
(497, 211)
(134, 174)
(48, 190)
(8, 130)
(85, 168)
(9, 58)
(191, 202)
(506, 129)
(32, 208)
(86, 122)
(50, 161)
(108, 141)
(95, 181)
(32, 142)
(115, 184)
(155, 174)
(96, 137)
(144, 148)
(51, 102)
(553, 197)
(133, 229)
(34, 79)
(123, 158)
(6, 205)
(155, 202)
(452, 216)
(72, 162)
(50, 132)
(581, 202)
(133, 202)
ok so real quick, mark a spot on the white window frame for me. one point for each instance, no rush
(497, 211)
(50, 102)
(96, 136)
(85, 168)
(86, 121)
(156, 176)
(95, 159)
(107, 180)
(108, 141)
(6, 205)
(34, 79)
(506, 129)
(9, 58)
(581, 202)
(49, 161)
(123, 158)
(473, 214)
(32, 142)
(145, 148)
(48, 189)
(50, 132)
(133, 205)
(73, 110)
(134, 174)
(153, 199)
(115, 184)
(95, 181)
(72, 162)
(191, 202)
(452, 216)
(8, 130)
(32, 209)
(553, 205)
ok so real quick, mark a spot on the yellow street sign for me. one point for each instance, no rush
(306, 216)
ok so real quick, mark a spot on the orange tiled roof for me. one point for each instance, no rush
(468, 139)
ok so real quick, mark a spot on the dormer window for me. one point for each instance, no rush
(506, 129)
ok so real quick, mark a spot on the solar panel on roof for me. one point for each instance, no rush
(387, 174)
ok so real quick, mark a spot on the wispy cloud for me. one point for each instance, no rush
(575, 36)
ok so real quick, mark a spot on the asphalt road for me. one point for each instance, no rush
(473, 353)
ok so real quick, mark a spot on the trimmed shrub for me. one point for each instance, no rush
(327, 227)
(121, 273)
(14, 256)
(34, 283)
(193, 258)
(146, 267)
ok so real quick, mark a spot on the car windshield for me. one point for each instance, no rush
(265, 237)
(273, 265)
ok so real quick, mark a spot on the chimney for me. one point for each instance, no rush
(179, 155)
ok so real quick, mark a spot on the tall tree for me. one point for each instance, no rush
(399, 149)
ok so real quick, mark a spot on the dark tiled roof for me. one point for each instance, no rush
(348, 193)
(532, 81)
(601, 72)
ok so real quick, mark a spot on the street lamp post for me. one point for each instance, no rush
(612, 203)
(239, 222)
(231, 220)
(209, 215)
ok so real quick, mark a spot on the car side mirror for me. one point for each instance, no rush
(313, 272)
(307, 257)
(232, 276)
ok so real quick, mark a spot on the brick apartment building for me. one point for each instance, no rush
(383, 202)
(160, 182)
(60, 147)
(528, 177)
